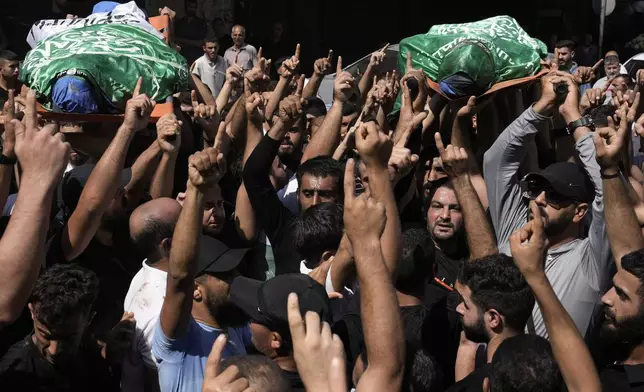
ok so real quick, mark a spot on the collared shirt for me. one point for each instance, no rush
(619, 377)
(212, 74)
(246, 56)
(579, 271)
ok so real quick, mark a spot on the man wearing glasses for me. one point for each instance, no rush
(569, 195)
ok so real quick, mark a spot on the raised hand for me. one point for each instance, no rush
(529, 243)
(583, 75)
(592, 98)
(373, 145)
(408, 119)
(344, 84)
(206, 168)
(229, 380)
(610, 142)
(207, 116)
(119, 340)
(375, 98)
(290, 109)
(378, 57)
(255, 79)
(234, 74)
(323, 66)
(633, 107)
(169, 133)
(454, 159)
(364, 217)
(318, 353)
(138, 109)
(401, 162)
(42, 153)
(290, 66)
(421, 79)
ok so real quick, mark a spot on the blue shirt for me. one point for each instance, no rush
(182, 361)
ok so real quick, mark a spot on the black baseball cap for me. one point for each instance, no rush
(566, 178)
(266, 302)
(216, 257)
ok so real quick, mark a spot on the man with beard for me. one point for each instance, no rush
(623, 328)
(496, 303)
(196, 308)
(577, 267)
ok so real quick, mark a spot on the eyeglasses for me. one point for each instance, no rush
(533, 188)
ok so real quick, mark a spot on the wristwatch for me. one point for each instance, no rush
(584, 121)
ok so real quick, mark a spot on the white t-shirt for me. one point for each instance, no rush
(144, 299)
(211, 74)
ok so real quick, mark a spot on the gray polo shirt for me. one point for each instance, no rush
(246, 56)
(579, 271)
(211, 74)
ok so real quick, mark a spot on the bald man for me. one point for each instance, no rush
(240, 53)
(151, 228)
(612, 68)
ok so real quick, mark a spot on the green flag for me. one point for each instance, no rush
(112, 57)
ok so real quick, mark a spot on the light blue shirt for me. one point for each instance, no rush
(182, 361)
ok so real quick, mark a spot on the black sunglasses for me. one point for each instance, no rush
(532, 189)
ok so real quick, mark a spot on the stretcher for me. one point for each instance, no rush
(161, 23)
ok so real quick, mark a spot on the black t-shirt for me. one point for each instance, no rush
(114, 266)
(24, 368)
(618, 378)
(276, 220)
(473, 382)
(442, 284)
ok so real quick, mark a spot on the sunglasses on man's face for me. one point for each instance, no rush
(533, 188)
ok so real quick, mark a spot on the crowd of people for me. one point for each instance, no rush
(255, 239)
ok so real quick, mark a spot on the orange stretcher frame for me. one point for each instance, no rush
(161, 23)
(497, 87)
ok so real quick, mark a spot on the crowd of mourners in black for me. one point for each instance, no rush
(256, 240)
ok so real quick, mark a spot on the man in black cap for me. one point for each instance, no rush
(197, 308)
(577, 267)
(266, 305)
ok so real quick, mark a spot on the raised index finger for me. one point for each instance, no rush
(214, 359)
(297, 51)
(11, 107)
(31, 115)
(338, 68)
(137, 88)
(537, 219)
(193, 98)
(295, 321)
(330, 56)
(349, 181)
(597, 65)
(410, 64)
(439, 144)
(384, 48)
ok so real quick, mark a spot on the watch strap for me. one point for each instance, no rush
(582, 122)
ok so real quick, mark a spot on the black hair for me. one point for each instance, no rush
(422, 373)
(8, 55)
(432, 187)
(628, 80)
(417, 261)
(319, 229)
(566, 44)
(600, 114)
(349, 108)
(210, 37)
(497, 283)
(524, 363)
(261, 372)
(322, 166)
(633, 263)
(154, 231)
(62, 291)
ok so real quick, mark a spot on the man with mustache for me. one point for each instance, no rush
(565, 193)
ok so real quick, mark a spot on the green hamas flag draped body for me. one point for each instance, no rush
(481, 53)
(112, 57)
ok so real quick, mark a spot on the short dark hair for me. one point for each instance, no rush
(422, 372)
(150, 236)
(497, 283)
(524, 363)
(319, 229)
(601, 113)
(210, 37)
(433, 187)
(633, 263)
(322, 166)
(566, 43)
(417, 261)
(62, 291)
(8, 55)
(349, 108)
(261, 372)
